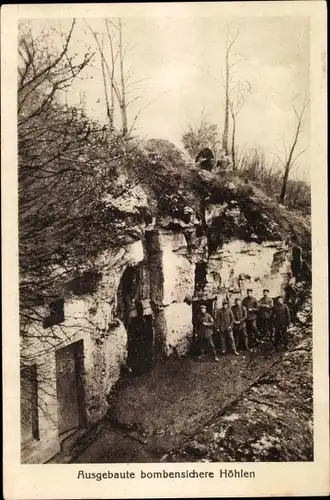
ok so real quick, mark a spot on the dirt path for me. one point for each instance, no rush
(253, 407)
(273, 421)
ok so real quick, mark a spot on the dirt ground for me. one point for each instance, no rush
(271, 422)
(255, 407)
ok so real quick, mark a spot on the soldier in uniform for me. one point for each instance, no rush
(205, 325)
(281, 320)
(265, 313)
(224, 322)
(240, 333)
(251, 305)
(205, 159)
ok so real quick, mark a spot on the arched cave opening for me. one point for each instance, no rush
(138, 325)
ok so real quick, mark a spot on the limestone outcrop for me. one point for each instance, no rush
(150, 283)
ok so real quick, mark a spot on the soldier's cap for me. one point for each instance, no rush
(249, 290)
(237, 298)
(202, 305)
(225, 302)
(265, 290)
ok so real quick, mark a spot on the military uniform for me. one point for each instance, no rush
(240, 333)
(205, 325)
(251, 305)
(265, 314)
(281, 320)
(224, 323)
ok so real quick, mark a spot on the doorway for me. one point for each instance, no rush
(140, 344)
(128, 292)
(69, 387)
(200, 276)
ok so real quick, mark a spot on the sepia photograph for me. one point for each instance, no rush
(164, 191)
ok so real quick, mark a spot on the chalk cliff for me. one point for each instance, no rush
(212, 237)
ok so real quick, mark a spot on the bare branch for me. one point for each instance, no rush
(56, 61)
(147, 106)
(296, 158)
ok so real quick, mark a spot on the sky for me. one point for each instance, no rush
(181, 62)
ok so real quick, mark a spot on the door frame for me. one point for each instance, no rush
(78, 356)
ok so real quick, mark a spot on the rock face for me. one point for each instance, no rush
(87, 319)
(239, 265)
(229, 271)
(144, 304)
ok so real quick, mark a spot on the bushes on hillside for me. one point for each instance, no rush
(253, 166)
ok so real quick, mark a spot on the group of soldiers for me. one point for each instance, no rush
(244, 325)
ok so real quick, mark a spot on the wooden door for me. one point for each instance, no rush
(67, 384)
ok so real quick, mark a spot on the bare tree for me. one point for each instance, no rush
(290, 157)
(228, 78)
(236, 103)
(42, 75)
(117, 80)
(226, 82)
(67, 166)
(108, 71)
(123, 105)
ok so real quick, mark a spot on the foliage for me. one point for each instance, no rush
(253, 167)
(74, 175)
(205, 134)
(68, 165)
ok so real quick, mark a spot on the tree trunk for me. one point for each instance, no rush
(284, 184)
(233, 142)
(108, 107)
(112, 77)
(123, 107)
(226, 125)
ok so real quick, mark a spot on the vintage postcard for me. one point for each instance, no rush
(164, 250)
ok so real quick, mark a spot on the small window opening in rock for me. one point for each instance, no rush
(200, 232)
(148, 218)
(56, 316)
(175, 227)
(29, 404)
(200, 276)
(186, 217)
(84, 284)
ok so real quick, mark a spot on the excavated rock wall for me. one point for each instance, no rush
(168, 254)
(230, 270)
(88, 318)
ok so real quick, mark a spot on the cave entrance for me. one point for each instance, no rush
(200, 276)
(128, 293)
(138, 324)
(140, 344)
